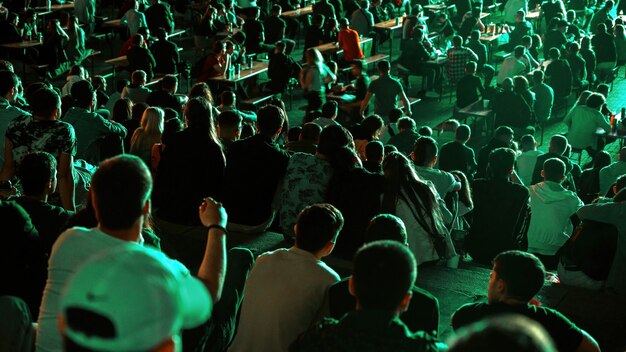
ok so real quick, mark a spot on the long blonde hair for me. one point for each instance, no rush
(149, 133)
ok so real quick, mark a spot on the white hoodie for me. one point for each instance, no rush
(551, 207)
(67, 88)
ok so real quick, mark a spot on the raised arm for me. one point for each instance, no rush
(212, 271)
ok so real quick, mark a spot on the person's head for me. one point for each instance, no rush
(520, 84)
(357, 67)
(83, 94)
(122, 110)
(153, 120)
(501, 161)
(293, 135)
(470, 67)
(120, 193)
(585, 43)
(573, 48)
(334, 137)
(137, 111)
(601, 159)
(383, 67)
(365, 4)
(395, 114)
(520, 16)
(372, 125)
(406, 124)
(504, 134)
(329, 109)
(137, 39)
(457, 41)
(99, 83)
(201, 89)
(9, 83)
(386, 227)
(519, 51)
(475, 35)
(553, 170)
(317, 20)
(609, 5)
(77, 70)
(554, 53)
(527, 41)
(619, 32)
(425, 152)
(516, 332)
(198, 114)
(507, 84)
(558, 143)
(280, 48)
(561, 25)
(38, 174)
(601, 28)
(516, 275)
(603, 89)
(270, 120)
(463, 133)
(229, 125)
(6, 65)
(276, 10)
(313, 56)
(139, 77)
(425, 131)
(169, 83)
(527, 142)
(538, 76)
(317, 228)
(374, 151)
(344, 23)
(595, 101)
(46, 103)
(383, 274)
(131, 298)
(310, 133)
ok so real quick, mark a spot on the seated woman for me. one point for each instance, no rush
(75, 48)
(52, 51)
(147, 134)
(216, 64)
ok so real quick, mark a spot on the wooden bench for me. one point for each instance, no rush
(254, 102)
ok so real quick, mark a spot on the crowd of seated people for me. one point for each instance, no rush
(99, 192)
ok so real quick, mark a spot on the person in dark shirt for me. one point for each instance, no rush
(159, 15)
(573, 27)
(589, 55)
(500, 210)
(281, 69)
(9, 27)
(478, 48)
(349, 6)
(577, 65)
(522, 28)
(140, 58)
(606, 52)
(559, 75)
(323, 7)
(275, 27)
(555, 38)
(258, 163)
(551, 9)
(515, 279)
(404, 141)
(415, 57)
(165, 53)
(255, 33)
(382, 279)
(165, 98)
(510, 108)
(423, 312)
(456, 155)
(37, 175)
(471, 22)
(558, 144)
(314, 34)
(469, 87)
(588, 188)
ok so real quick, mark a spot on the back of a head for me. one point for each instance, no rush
(169, 82)
(475, 35)
(519, 51)
(374, 151)
(332, 138)
(105, 306)
(229, 120)
(344, 22)
(406, 123)
(317, 225)
(199, 114)
(137, 110)
(160, 33)
(554, 53)
(329, 109)
(553, 170)
(501, 161)
(35, 171)
(457, 41)
(515, 333)
(371, 124)
(522, 272)
(470, 67)
(595, 101)
(76, 70)
(170, 128)
(82, 93)
(310, 132)
(8, 81)
(294, 133)
(603, 89)
(558, 144)
(383, 274)
(138, 76)
(270, 119)
(424, 150)
(120, 188)
(425, 131)
(538, 76)
(601, 159)
(44, 102)
(504, 133)
(137, 39)
(462, 133)
(386, 227)
(383, 66)
(227, 98)
(527, 142)
(507, 84)
(395, 114)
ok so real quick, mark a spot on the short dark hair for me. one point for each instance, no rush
(425, 131)
(424, 150)
(44, 101)
(8, 81)
(360, 64)
(519, 51)
(501, 161)
(317, 225)
(374, 150)
(386, 227)
(160, 33)
(463, 132)
(120, 188)
(227, 97)
(522, 272)
(395, 114)
(406, 123)
(270, 119)
(471, 66)
(82, 93)
(553, 169)
(35, 171)
(169, 82)
(383, 273)
(294, 133)
(383, 66)
(372, 124)
(595, 100)
(310, 132)
(332, 138)
(558, 144)
(538, 76)
(457, 40)
(329, 109)
(229, 119)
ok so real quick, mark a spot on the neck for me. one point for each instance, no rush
(43, 197)
(130, 234)
(512, 300)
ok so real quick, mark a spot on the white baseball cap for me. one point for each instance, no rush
(142, 296)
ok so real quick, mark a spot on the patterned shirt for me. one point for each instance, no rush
(457, 58)
(31, 135)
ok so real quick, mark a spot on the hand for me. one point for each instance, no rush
(212, 212)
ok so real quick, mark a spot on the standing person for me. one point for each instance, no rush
(348, 40)
(386, 89)
(165, 52)
(551, 206)
(281, 69)
(270, 325)
(134, 19)
(362, 19)
(75, 48)
(313, 79)
(85, 12)
(159, 15)
(140, 58)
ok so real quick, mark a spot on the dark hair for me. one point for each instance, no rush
(120, 84)
(457, 40)
(8, 81)
(310, 132)
(462, 133)
(538, 76)
(383, 66)
(503, 131)
(160, 33)
(317, 225)
(595, 100)
(227, 98)
(383, 274)
(169, 113)
(35, 171)
(522, 272)
(395, 114)
(329, 109)
(501, 161)
(170, 128)
(553, 169)
(332, 138)
(199, 115)
(359, 64)
(406, 123)
(44, 101)
(527, 141)
(386, 227)
(294, 133)
(270, 119)
(229, 119)
(471, 66)
(75, 70)
(558, 144)
(137, 110)
(519, 51)
(425, 131)
(120, 188)
(122, 110)
(601, 159)
(168, 82)
(475, 34)
(374, 150)
(371, 124)
(82, 93)
(424, 150)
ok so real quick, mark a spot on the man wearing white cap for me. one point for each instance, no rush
(120, 195)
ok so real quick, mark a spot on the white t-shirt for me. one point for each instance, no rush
(284, 294)
(443, 181)
(526, 165)
(73, 248)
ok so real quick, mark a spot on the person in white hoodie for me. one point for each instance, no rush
(551, 208)
(76, 74)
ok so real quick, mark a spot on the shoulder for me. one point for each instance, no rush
(468, 314)
(314, 338)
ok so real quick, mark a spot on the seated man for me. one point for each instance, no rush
(136, 91)
(525, 165)
(90, 126)
(424, 158)
(165, 52)
(515, 279)
(510, 108)
(423, 312)
(456, 155)
(382, 278)
(267, 324)
(415, 57)
(469, 88)
(503, 138)
(458, 57)
(229, 125)
(307, 140)
(404, 141)
(551, 207)
(500, 210)
(558, 144)
(609, 174)
(166, 97)
(583, 121)
(228, 102)
(544, 97)
(281, 69)
(349, 42)
(258, 156)
(513, 65)
(559, 75)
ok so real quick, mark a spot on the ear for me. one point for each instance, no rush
(510, 171)
(61, 324)
(404, 305)
(166, 346)
(351, 287)
(412, 156)
(147, 207)
(435, 159)
(329, 247)
(501, 286)
(543, 174)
